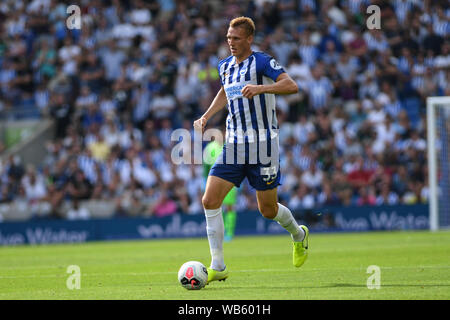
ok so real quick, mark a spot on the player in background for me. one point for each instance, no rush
(213, 149)
(250, 81)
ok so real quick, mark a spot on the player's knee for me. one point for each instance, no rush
(268, 211)
(210, 203)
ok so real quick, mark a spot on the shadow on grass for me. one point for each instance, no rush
(328, 286)
(352, 285)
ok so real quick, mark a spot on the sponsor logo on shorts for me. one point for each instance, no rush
(270, 174)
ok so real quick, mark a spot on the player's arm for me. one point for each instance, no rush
(283, 85)
(219, 102)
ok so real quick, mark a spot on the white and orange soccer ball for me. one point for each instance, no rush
(193, 275)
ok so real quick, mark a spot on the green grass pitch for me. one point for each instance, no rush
(413, 265)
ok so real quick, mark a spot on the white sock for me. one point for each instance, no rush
(286, 220)
(215, 232)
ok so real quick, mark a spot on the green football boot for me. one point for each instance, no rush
(214, 275)
(300, 252)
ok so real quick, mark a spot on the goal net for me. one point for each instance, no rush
(438, 143)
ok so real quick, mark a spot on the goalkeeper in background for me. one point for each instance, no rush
(213, 150)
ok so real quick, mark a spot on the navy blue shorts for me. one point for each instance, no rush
(261, 177)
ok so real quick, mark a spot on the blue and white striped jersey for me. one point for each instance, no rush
(250, 120)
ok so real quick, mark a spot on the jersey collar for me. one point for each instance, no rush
(234, 62)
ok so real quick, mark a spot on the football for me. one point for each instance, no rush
(193, 275)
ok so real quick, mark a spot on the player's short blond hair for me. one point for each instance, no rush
(244, 22)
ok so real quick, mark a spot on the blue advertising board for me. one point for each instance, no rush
(327, 219)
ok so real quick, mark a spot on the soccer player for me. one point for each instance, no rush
(250, 81)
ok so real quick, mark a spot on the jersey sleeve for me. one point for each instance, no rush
(219, 69)
(272, 68)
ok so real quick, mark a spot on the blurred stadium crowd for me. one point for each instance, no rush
(137, 70)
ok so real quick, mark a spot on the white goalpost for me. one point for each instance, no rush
(438, 144)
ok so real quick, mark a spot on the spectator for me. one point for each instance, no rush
(162, 105)
(100, 149)
(358, 176)
(303, 199)
(313, 177)
(327, 196)
(319, 90)
(77, 212)
(298, 70)
(165, 206)
(112, 58)
(92, 73)
(86, 99)
(69, 55)
(366, 196)
(34, 186)
(385, 136)
(387, 196)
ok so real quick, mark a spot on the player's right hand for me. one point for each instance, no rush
(200, 124)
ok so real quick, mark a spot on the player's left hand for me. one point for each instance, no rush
(251, 90)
